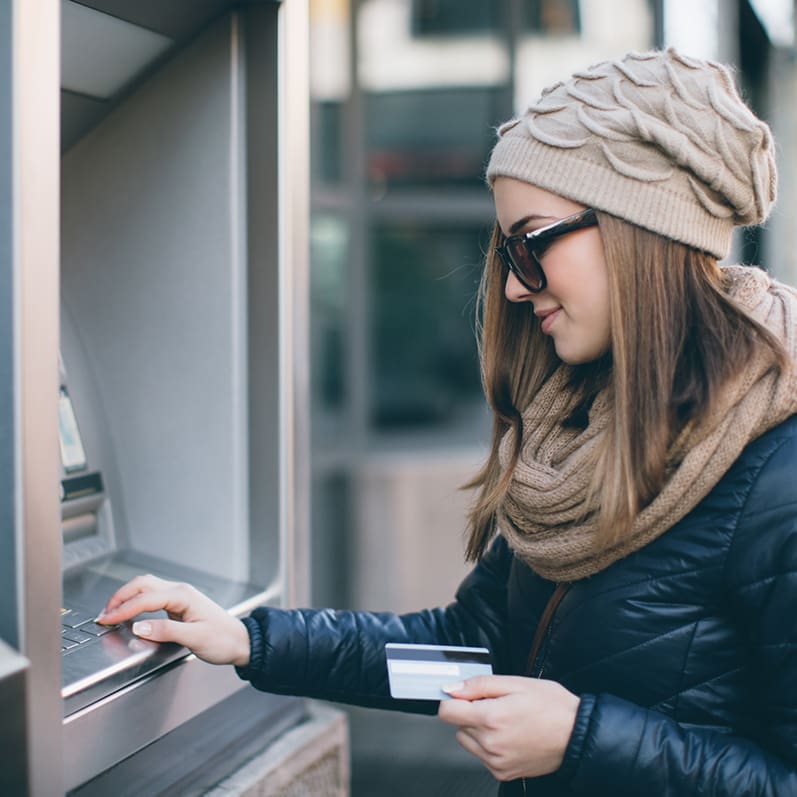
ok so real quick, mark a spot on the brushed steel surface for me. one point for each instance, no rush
(220, 740)
(115, 727)
(124, 696)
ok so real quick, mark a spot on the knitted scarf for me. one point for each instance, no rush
(545, 516)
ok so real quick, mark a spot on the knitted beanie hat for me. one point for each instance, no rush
(658, 139)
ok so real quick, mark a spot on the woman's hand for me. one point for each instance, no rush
(517, 727)
(195, 621)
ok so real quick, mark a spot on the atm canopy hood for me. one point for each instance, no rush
(110, 46)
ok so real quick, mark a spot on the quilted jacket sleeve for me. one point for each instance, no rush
(619, 748)
(339, 655)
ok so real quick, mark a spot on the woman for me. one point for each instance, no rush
(636, 523)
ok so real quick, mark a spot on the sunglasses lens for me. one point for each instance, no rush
(526, 264)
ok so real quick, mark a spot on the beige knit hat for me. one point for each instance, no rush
(659, 139)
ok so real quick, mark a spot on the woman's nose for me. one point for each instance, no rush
(515, 290)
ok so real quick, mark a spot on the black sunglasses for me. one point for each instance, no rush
(522, 254)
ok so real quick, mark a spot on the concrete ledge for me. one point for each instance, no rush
(309, 760)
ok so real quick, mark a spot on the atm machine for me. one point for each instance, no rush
(180, 378)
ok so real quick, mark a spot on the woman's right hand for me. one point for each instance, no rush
(195, 621)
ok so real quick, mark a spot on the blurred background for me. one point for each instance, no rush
(406, 95)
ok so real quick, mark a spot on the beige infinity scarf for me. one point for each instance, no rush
(545, 518)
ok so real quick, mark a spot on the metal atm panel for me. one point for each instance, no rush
(181, 347)
(169, 696)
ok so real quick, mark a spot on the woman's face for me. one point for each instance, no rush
(573, 308)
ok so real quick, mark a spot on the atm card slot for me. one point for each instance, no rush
(81, 486)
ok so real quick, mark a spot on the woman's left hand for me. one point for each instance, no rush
(518, 727)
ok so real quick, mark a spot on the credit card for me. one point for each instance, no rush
(419, 672)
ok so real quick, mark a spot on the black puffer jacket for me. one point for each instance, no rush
(684, 653)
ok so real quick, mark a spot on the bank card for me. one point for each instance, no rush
(419, 672)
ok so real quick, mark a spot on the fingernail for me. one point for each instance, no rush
(142, 629)
(98, 618)
(457, 687)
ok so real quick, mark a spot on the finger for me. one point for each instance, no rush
(457, 712)
(468, 742)
(132, 588)
(484, 686)
(171, 599)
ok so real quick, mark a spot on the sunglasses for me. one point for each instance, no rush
(522, 254)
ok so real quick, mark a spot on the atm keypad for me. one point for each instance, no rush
(78, 629)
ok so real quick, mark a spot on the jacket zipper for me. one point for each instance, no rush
(544, 628)
(541, 635)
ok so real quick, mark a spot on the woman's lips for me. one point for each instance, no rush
(547, 317)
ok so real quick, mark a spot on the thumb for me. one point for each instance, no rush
(483, 686)
(164, 631)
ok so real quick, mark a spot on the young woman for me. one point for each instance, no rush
(635, 528)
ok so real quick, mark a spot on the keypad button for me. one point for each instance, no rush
(96, 629)
(73, 618)
(76, 636)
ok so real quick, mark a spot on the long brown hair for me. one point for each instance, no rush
(676, 339)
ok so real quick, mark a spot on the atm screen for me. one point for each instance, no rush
(73, 457)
